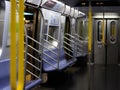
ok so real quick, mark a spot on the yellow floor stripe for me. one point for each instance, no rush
(21, 47)
(13, 45)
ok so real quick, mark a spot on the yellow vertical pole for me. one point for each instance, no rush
(103, 30)
(21, 46)
(13, 45)
(90, 29)
(89, 41)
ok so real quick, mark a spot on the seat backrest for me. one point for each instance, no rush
(4, 68)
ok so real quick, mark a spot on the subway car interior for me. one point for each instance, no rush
(59, 45)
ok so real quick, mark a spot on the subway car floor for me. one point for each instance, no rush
(90, 77)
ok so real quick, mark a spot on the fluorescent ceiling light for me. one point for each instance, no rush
(25, 13)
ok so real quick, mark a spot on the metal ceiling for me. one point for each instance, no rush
(81, 3)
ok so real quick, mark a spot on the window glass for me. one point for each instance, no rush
(113, 31)
(53, 32)
(99, 35)
(2, 14)
(82, 30)
(85, 30)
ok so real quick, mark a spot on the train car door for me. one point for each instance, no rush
(99, 49)
(108, 53)
(112, 42)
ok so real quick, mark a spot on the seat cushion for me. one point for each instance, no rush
(50, 65)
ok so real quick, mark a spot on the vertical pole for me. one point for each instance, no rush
(90, 29)
(21, 47)
(89, 41)
(13, 45)
(103, 30)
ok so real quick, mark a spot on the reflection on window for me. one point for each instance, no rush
(29, 21)
(99, 33)
(52, 37)
(83, 30)
(45, 28)
(53, 33)
(113, 31)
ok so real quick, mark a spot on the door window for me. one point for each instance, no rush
(113, 31)
(99, 33)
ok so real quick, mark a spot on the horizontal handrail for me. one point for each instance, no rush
(79, 36)
(52, 37)
(79, 45)
(74, 47)
(68, 54)
(68, 49)
(40, 52)
(49, 63)
(33, 48)
(50, 57)
(75, 43)
(67, 43)
(33, 66)
(69, 39)
(50, 43)
(51, 51)
(33, 57)
(40, 44)
(69, 35)
(80, 41)
(33, 40)
(32, 73)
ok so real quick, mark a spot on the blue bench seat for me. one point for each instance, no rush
(5, 77)
(63, 63)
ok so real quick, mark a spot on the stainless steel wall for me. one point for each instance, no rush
(4, 26)
(2, 13)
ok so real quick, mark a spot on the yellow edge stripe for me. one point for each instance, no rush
(13, 45)
(90, 30)
(103, 31)
(21, 47)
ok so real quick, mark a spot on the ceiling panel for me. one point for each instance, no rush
(80, 3)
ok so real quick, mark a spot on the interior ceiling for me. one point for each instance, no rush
(81, 3)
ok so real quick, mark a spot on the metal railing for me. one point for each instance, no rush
(78, 36)
(46, 49)
(51, 37)
(42, 53)
(69, 45)
(74, 43)
(80, 44)
(33, 63)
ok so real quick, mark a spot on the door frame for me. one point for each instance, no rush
(93, 51)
